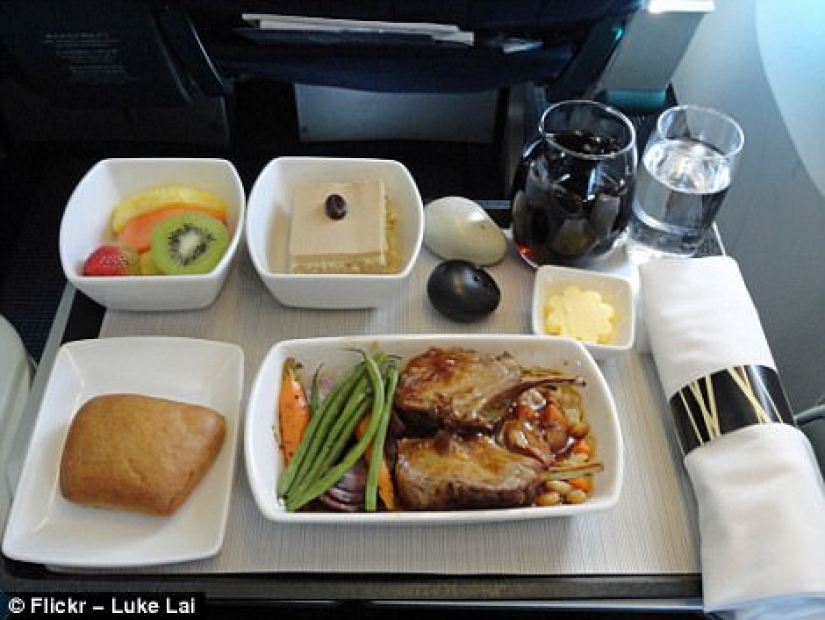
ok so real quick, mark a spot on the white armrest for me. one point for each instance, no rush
(16, 370)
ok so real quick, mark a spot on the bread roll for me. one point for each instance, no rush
(138, 453)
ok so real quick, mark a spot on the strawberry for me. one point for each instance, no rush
(112, 260)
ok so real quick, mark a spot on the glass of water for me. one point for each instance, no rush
(686, 170)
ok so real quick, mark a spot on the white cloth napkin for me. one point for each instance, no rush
(760, 495)
(762, 523)
(700, 319)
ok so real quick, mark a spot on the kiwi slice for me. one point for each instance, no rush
(188, 243)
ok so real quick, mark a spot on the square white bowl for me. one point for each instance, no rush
(86, 225)
(268, 224)
(264, 462)
(614, 289)
(44, 527)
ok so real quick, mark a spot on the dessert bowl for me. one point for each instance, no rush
(86, 225)
(268, 231)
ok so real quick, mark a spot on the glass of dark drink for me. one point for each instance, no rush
(572, 192)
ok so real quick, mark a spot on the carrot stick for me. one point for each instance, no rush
(581, 446)
(584, 484)
(386, 486)
(293, 410)
(554, 415)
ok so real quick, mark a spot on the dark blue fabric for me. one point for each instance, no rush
(161, 66)
(559, 26)
(91, 53)
(471, 14)
(396, 71)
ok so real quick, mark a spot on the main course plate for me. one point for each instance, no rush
(264, 462)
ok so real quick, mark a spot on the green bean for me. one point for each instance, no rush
(319, 424)
(329, 425)
(338, 435)
(377, 457)
(315, 392)
(331, 476)
(345, 422)
(336, 440)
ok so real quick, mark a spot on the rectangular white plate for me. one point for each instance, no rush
(46, 528)
(263, 458)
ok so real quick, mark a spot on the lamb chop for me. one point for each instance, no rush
(462, 389)
(454, 472)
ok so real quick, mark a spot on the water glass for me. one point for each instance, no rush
(685, 173)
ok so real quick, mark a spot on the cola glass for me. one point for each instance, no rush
(572, 192)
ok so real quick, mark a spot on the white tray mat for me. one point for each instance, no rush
(651, 531)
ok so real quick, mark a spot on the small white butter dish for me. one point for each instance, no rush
(614, 290)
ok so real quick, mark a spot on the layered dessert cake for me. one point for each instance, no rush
(340, 228)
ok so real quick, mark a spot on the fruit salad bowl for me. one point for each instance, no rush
(153, 233)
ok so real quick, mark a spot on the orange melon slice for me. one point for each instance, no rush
(137, 232)
(166, 196)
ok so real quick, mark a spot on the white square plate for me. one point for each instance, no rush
(46, 528)
(263, 457)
